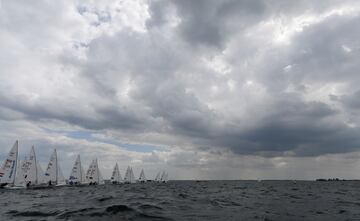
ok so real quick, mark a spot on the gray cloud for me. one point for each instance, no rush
(216, 78)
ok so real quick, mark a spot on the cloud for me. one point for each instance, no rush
(204, 83)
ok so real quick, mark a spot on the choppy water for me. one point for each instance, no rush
(188, 200)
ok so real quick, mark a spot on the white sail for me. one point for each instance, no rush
(83, 175)
(126, 177)
(40, 175)
(30, 168)
(93, 174)
(100, 177)
(61, 179)
(19, 178)
(8, 169)
(51, 173)
(164, 176)
(157, 178)
(129, 176)
(77, 173)
(116, 177)
(132, 177)
(142, 177)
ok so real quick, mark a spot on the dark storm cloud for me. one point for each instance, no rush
(102, 118)
(294, 125)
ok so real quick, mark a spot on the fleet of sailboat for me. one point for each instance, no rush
(161, 177)
(15, 174)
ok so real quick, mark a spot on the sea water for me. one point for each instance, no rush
(188, 200)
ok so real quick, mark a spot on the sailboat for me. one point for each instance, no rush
(157, 178)
(116, 177)
(93, 175)
(53, 174)
(164, 177)
(129, 176)
(77, 176)
(142, 178)
(10, 172)
(33, 173)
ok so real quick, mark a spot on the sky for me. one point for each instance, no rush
(205, 89)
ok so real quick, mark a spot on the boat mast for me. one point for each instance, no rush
(36, 169)
(16, 161)
(97, 168)
(56, 167)
(80, 170)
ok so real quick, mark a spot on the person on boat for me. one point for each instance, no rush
(3, 185)
(28, 184)
(49, 183)
(71, 183)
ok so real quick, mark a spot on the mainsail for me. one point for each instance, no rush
(33, 173)
(40, 175)
(132, 177)
(77, 173)
(91, 172)
(100, 177)
(53, 172)
(142, 177)
(30, 168)
(164, 177)
(129, 176)
(116, 177)
(157, 178)
(8, 169)
(19, 178)
(93, 175)
(61, 179)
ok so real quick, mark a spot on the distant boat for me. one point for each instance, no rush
(53, 174)
(164, 177)
(33, 173)
(77, 176)
(93, 174)
(116, 177)
(129, 176)
(157, 178)
(10, 173)
(142, 178)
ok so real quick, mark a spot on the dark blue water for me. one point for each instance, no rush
(188, 200)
